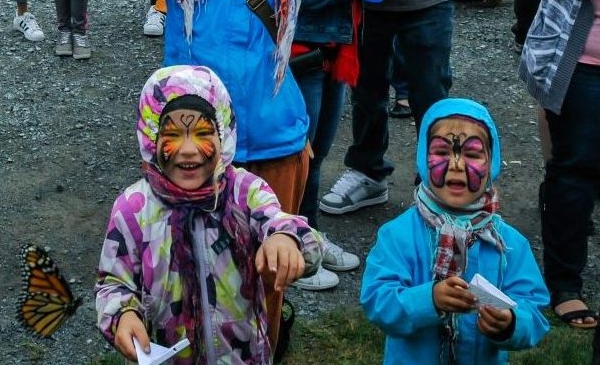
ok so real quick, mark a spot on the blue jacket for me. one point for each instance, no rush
(230, 39)
(397, 289)
(324, 21)
(397, 286)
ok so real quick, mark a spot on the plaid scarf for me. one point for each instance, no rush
(457, 229)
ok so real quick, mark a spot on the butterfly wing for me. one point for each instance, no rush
(44, 313)
(47, 300)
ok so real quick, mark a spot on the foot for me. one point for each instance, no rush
(352, 191)
(27, 25)
(570, 306)
(155, 23)
(401, 109)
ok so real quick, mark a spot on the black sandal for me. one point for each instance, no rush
(568, 317)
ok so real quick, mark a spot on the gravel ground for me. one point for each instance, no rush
(67, 147)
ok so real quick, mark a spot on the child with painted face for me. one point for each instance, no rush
(189, 247)
(415, 284)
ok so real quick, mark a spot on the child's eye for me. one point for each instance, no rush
(440, 152)
(170, 134)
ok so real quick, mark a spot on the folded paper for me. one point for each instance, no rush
(488, 294)
(158, 354)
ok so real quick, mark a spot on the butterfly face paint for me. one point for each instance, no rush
(458, 158)
(443, 151)
(187, 147)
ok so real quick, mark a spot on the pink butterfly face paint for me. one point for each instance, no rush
(458, 160)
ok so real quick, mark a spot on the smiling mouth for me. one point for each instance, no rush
(188, 166)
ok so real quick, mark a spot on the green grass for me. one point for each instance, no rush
(345, 337)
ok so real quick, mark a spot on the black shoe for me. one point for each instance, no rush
(400, 111)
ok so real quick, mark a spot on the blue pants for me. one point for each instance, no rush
(324, 100)
(399, 78)
(424, 37)
(572, 181)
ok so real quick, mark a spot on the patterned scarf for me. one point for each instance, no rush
(185, 207)
(456, 230)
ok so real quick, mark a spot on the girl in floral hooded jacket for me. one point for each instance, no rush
(188, 247)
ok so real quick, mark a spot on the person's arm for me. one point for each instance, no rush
(267, 219)
(524, 284)
(392, 295)
(116, 289)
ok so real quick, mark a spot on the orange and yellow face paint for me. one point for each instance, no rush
(191, 125)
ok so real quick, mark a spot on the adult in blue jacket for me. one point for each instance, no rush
(415, 280)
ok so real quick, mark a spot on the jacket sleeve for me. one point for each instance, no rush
(523, 283)
(397, 293)
(117, 284)
(266, 218)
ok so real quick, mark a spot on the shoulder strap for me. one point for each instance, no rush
(266, 14)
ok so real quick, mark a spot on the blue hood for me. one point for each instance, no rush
(464, 107)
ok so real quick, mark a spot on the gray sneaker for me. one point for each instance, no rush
(81, 46)
(64, 43)
(321, 280)
(335, 258)
(352, 191)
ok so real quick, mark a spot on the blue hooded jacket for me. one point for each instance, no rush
(397, 285)
(230, 39)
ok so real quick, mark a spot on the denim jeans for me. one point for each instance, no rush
(71, 15)
(572, 181)
(324, 99)
(424, 39)
(399, 79)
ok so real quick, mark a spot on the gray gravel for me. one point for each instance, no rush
(67, 147)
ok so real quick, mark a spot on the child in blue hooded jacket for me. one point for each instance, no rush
(415, 284)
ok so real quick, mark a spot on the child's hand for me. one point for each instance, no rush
(279, 261)
(131, 326)
(451, 295)
(492, 322)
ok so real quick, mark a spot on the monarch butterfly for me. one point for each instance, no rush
(47, 301)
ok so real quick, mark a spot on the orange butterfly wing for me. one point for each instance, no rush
(47, 300)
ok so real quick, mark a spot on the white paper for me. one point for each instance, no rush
(488, 294)
(158, 354)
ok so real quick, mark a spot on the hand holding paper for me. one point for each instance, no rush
(158, 354)
(488, 294)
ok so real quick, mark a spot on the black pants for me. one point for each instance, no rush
(524, 12)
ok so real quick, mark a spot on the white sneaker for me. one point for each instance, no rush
(352, 191)
(27, 25)
(323, 279)
(155, 23)
(334, 257)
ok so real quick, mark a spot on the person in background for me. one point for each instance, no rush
(155, 18)
(189, 246)
(560, 66)
(330, 28)
(72, 22)
(415, 284)
(25, 23)
(423, 32)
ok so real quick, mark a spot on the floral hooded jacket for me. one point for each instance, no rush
(137, 270)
